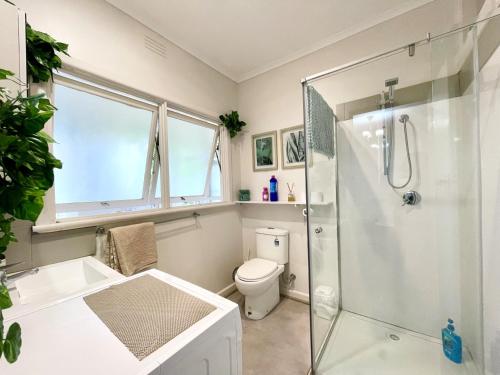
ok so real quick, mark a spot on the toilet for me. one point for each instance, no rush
(258, 278)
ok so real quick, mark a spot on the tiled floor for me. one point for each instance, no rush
(279, 343)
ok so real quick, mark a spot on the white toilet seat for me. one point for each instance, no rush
(258, 286)
(262, 294)
(256, 269)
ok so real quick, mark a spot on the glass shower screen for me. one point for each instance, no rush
(322, 216)
(393, 210)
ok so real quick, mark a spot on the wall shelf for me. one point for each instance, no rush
(319, 204)
(278, 203)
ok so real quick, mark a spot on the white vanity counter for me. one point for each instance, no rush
(66, 337)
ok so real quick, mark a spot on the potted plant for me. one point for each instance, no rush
(232, 122)
(26, 163)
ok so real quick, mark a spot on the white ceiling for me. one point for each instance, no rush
(244, 38)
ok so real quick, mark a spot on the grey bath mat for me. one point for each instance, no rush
(146, 313)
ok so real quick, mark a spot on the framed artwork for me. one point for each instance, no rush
(265, 156)
(293, 147)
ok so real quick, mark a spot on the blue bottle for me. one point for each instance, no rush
(273, 189)
(452, 343)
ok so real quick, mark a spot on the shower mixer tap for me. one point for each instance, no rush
(411, 198)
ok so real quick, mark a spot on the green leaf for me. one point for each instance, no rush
(12, 343)
(5, 301)
(41, 54)
(62, 47)
(5, 73)
(232, 122)
(29, 208)
(46, 137)
(6, 140)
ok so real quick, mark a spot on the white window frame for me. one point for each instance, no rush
(178, 201)
(120, 210)
(148, 200)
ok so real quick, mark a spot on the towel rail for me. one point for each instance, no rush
(195, 215)
(114, 219)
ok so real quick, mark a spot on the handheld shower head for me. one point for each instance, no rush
(404, 118)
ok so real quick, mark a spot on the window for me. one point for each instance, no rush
(107, 145)
(111, 146)
(194, 170)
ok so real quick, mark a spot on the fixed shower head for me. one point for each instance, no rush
(391, 82)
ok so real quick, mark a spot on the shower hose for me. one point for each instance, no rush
(404, 119)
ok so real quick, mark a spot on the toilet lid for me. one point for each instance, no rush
(256, 269)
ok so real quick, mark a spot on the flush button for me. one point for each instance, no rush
(276, 242)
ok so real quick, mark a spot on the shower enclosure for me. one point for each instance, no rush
(393, 193)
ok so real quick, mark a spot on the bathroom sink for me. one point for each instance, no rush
(60, 280)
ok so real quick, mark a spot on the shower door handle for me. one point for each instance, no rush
(318, 230)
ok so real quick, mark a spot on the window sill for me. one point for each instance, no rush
(120, 217)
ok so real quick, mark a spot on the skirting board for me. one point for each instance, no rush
(291, 293)
(228, 290)
(296, 295)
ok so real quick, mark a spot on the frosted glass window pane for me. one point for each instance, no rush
(103, 145)
(189, 149)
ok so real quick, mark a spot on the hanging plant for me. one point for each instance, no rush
(232, 122)
(41, 54)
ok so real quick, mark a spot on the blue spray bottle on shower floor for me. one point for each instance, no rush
(452, 343)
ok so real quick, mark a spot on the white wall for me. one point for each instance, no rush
(273, 100)
(10, 48)
(490, 169)
(106, 42)
(405, 265)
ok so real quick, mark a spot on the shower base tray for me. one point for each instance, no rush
(363, 346)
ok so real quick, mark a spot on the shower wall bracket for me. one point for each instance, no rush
(411, 50)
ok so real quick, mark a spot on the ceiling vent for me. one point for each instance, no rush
(155, 46)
